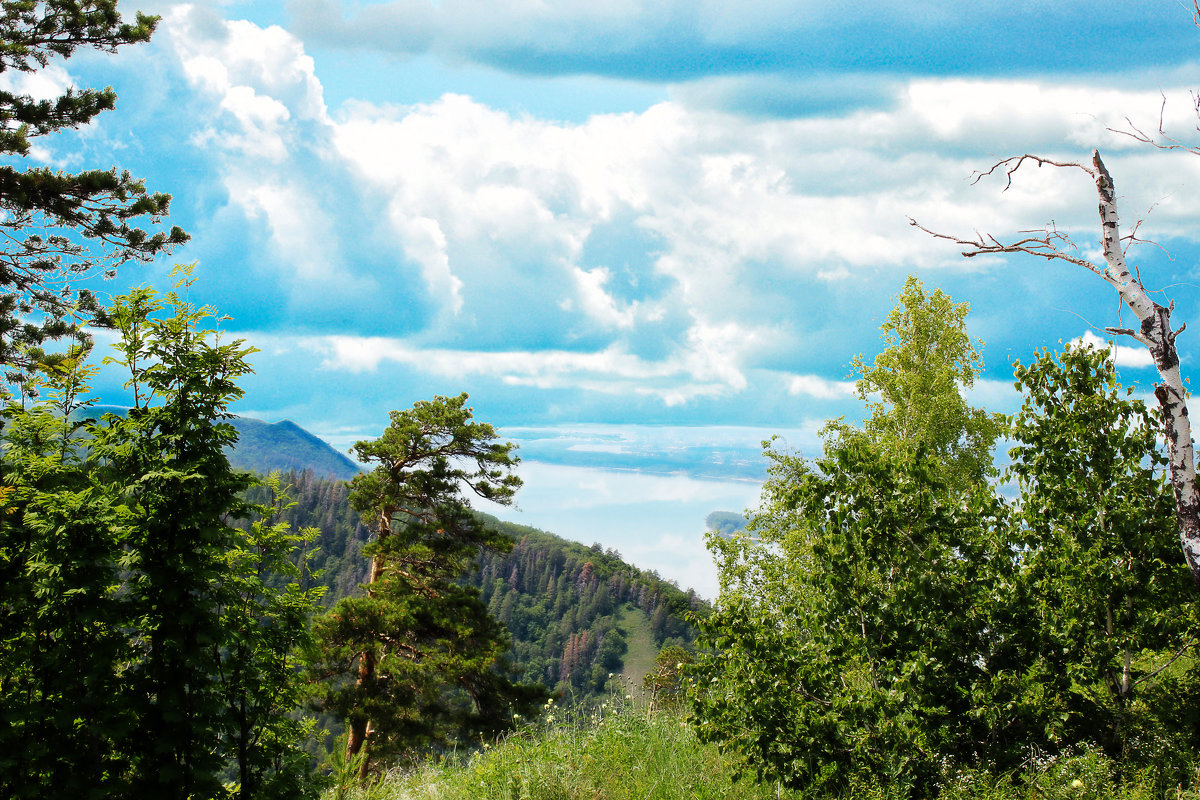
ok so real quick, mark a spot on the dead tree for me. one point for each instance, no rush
(1154, 328)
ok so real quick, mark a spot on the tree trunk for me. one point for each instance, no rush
(1155, 332)
(360, 728)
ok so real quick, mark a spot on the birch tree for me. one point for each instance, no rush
(1154, 329)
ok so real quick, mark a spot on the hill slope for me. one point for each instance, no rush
(264, 446)
(285, 446)
(566, 604)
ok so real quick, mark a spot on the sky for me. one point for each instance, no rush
(644, 236)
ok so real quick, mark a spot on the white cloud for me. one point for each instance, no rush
(674, 380)
(425, 243)
(260, 77)
(501, 216)
(1124, 356)
(820, 388)
(48, 83)
(299, 229)
(599, 304)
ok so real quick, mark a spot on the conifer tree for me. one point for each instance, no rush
(418, 661)
(141, 653)
(58, 226)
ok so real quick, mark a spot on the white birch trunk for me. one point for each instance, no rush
(1155, 332)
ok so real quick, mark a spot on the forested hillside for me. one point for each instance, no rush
(561, 600)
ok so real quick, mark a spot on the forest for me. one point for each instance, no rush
(945, 598)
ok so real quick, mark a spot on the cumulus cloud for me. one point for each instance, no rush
(820, 388)
(738, 234)
(1124, 356)
(260, 77)
(48, 83)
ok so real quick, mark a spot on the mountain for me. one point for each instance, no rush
(576, 613)
(264, 446)
(285, 446)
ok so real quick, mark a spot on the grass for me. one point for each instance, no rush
(639, 659)
(619, 751)
(625, 751)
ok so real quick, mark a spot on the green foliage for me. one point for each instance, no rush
(1098, 604)
(266, 599)
(879, 626)
(418, 662)
(550, 593)
(65, 723)
(61, 225)
(140, 650)
(913, 388)
(564, 604)
(628, 752)
(166, 458)
(667, 684)
(845, 639)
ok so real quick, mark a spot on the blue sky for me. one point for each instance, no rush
(643, 235)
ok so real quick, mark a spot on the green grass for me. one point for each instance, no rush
(624, 751)
(639, 659)
(620, 751)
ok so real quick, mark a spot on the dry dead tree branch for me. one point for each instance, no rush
(1052, 244)
(1013, 163)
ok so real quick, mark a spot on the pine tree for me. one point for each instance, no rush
(419, 661)
(60, 226)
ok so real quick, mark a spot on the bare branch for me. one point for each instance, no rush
(1154, 330)
(1161, 140)
(1174, 658)
(1013, 163)
(1137, 335)
(1052, 244)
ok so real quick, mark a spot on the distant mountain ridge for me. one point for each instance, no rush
(266, 446)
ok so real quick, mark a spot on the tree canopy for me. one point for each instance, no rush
(914, 387)
(418, 661)
(879, 625)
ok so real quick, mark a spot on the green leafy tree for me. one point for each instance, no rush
(265, 603)
(57, 226)
(876, 625)
(667, 683)
(843, 644)
(913, 388)
(418, 661)
(66, 713)
(1099, 608)
(845, 636)
(166, 458)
